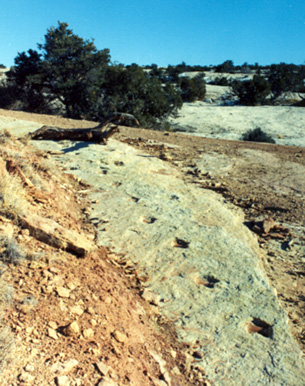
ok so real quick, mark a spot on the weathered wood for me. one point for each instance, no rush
(88, 135)
(98, 134)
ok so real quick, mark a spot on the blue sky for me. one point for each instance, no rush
(164, 31)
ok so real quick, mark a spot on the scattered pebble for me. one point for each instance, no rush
(29, 368)
(78, 310)
(119, 336)
(63, 292)
(62, 381)
(88, 333)
(26, 378)
(52, 333)
(102, 368)
(71, 329)
(53, 325)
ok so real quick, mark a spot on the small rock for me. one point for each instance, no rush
(29, 368)
(63, 292)
(90, 310)
(29, 330)
(93, 322)
(71, 329)
(119, 336)
(26, 378)
(53, 325)
(52, 334)
(63, 380)
(62, 306)
(176, 371)
(78, 310)
(88, 333)
(95, 297)
(47, 289)
(25, 232)
(71, 286)
(150, 297)
(68, 366)
(102, 368)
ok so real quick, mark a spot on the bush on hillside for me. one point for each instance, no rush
(227, 66)
(286, 77)
(257, 135)
(252, 92)
(192, 89)
(71, 73)
(130, 89)
(220, 81)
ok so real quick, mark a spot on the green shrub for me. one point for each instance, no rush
(220, 81)
(252, 92)
(71, 73)
(257, 135)
(192, 89)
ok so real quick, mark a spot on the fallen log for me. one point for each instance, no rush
(98, 134)
(87, 135)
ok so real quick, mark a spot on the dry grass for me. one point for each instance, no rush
(10, 251)
(5, 137)
(13, 201)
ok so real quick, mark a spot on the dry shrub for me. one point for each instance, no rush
(48, 165)
(5, 136)
(10, 251)
(12, 197)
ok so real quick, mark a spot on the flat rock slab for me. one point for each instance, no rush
(199, 258)
(284, 123)
(50, 232)
(18, 127)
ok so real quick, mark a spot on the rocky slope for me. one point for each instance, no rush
(71, 312)
(134, 211)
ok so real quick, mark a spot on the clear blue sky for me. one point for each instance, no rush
(164, 31)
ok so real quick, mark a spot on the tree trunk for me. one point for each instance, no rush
(97, 135)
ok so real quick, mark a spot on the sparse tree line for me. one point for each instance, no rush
(67, 75)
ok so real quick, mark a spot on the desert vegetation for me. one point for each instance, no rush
(257, 135)
(69, 76)
(252, 92)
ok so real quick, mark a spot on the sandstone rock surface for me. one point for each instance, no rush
(213, 285)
